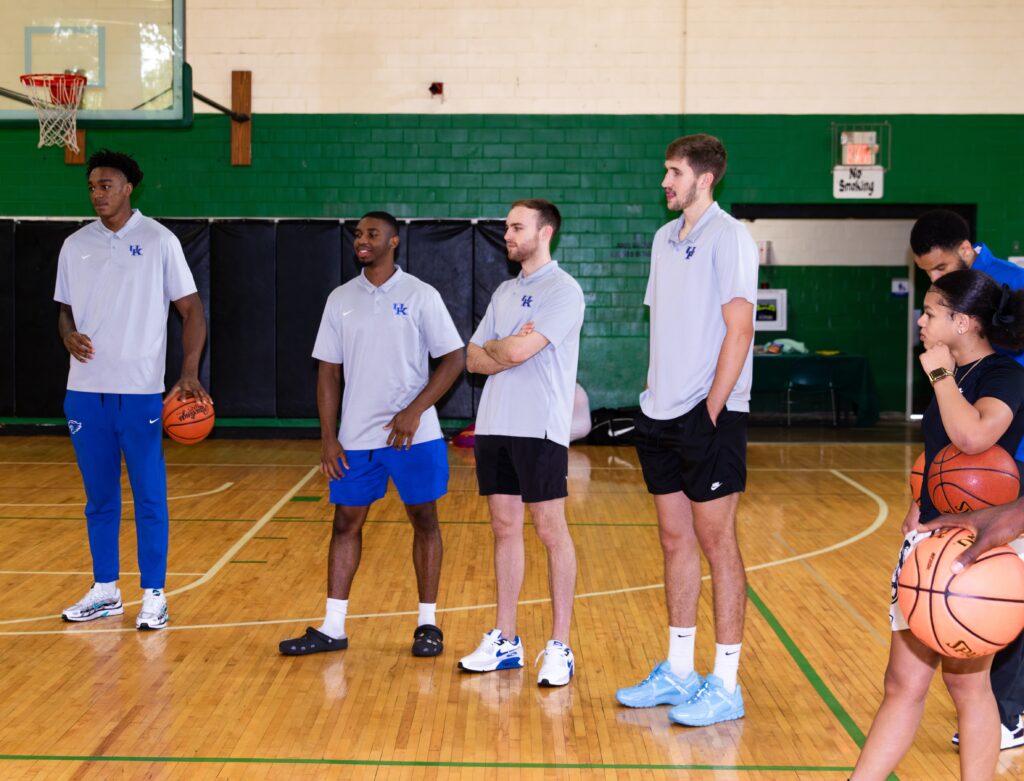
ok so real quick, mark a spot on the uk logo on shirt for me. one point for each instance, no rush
(528, 301)
(690, 251)
(135, 249)
(400, 310)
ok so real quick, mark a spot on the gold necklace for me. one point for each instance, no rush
(964, 375)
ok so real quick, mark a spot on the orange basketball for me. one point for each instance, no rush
(958, 483)
(971, 614)
(187, 421)
(917, 478)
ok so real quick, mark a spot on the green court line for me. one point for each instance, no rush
(811, 674)
(305, 499)
(421, 763)
(263, 537)
(246, 561)
(450, 423)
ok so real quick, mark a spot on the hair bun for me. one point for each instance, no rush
(1004, 316)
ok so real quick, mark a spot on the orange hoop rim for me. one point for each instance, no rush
(46, 79)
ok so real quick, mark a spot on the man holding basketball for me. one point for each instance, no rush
(940, 241)
(528, 346)
(382, 328)
(692, 429)
(116, 278)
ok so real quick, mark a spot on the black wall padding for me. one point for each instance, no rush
(40, 360)
(243, 339)
(441, 254)
(308, 269)
(6, 317)
(194, 236)
(491, 267)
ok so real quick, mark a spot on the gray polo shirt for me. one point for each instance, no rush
(535, 398)
(119, 287)
(382, 337)
(689, 282)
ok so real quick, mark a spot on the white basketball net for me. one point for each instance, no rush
(56, 97)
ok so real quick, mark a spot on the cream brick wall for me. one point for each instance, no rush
(613, 56)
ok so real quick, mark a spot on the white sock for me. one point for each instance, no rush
(727, 664)
(681, 640)
(152, 592)
(334, 621)
(428, 614)
(107, 589)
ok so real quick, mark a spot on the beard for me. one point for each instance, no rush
(684, 202)
(521, 251)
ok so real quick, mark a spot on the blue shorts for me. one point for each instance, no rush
(420, 474)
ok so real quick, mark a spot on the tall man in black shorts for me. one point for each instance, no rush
(692, 429)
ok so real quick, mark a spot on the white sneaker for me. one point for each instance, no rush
(559, 665)
(154, 611)
(494, 653)
(1008, 738)
(95, 604)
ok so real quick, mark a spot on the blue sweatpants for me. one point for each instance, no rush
(102, 426)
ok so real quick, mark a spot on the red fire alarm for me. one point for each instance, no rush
(437, 88)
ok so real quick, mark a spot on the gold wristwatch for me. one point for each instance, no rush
(937, 374)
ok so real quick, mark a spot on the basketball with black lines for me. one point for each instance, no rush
(188, 421)
(917, 478)
(959, 483)
(973, 613)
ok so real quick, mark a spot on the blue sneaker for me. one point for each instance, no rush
(661, 687)
(710, 705)
(494, 653)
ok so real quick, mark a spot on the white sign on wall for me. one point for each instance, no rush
(857, 181)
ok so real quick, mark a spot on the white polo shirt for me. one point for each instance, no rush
(119, 287)
(535, 398)
(382, 337)
(689, 282)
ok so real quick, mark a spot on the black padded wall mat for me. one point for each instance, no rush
(194, 236)
(441, 254)
(40, 360)
(308, 269)
(243, 342)
(7, 317)
(491, 267)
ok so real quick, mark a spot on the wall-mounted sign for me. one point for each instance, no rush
(857, 181)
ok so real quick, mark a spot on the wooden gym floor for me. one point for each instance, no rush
(210, 697)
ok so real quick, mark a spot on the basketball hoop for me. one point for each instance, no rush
(56, 97)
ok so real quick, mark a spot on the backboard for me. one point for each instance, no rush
(132, 53)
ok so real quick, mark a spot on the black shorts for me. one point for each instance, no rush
(535, 469)
(693, 455)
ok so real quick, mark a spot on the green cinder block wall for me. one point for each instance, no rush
(604, 172)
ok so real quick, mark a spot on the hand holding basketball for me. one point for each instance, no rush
(188, 385)
(188, 421)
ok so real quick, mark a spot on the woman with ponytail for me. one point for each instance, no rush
(979, 402)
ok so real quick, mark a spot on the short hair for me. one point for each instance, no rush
(383, 217)
(547, 213)
(704, 153)
(126, 164)
(938, 229)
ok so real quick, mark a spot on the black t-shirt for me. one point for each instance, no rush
(997, 377)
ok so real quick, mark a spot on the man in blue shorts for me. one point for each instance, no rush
(116, 279)
(528, 346)
(941, 242)
(691, 433)
(382, 327)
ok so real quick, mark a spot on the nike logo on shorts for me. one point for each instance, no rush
(715, 486)
(154, 420)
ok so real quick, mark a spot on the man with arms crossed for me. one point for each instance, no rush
(116, 278)
(382, 327)
(691, 431)
(941, 242)
(528, 345)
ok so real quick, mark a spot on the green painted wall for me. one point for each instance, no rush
(604, 173)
